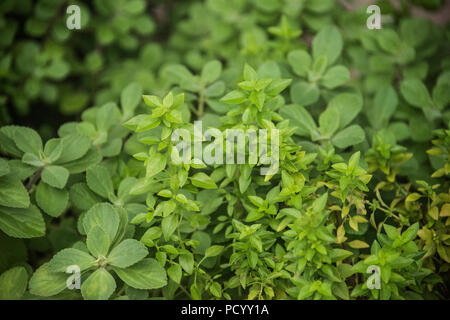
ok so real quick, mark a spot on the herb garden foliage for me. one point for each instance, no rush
(364, 151)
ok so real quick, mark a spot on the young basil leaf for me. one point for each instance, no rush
(130, 98)
(349, 136)
(99, 181)
(98, 286)
(55, 176)
(103, 215)
(328, 42)
(13, 283)
(22, 222)
(214, 251)
(98, 242)
(69, 257)
(174, 272)
(28, 140)
(51, 200)
(146, 274)
(45, 283)
(211, 71)
(202, 180)
(127, 253)
(13, 193)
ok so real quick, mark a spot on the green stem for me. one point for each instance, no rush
(34, 178)
(201, 103)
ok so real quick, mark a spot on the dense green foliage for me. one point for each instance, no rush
(364, 147)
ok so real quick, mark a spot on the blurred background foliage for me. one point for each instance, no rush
(49, 74)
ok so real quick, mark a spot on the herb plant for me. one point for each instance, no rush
(92, 181)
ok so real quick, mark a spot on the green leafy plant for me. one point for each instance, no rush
(94, 187)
